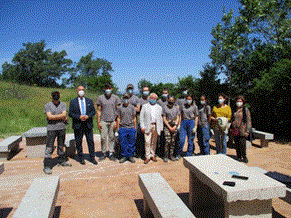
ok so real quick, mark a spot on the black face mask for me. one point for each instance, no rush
(170, 103)
(56, 97)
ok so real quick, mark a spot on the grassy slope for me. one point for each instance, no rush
(22, 107)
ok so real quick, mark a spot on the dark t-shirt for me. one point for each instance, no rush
(126, 115)
(171, 114)
(55, 110)
(162, 103)
(108, 107)
(134, 100)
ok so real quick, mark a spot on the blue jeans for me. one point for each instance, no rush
(127, 137)
(186, 128)
(203, 136)
(220, 141)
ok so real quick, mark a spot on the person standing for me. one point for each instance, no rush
(163, 101)
(126, 127)
(221, 116)
(171, 117)
(140, 142)
(56, 128)
(240, 128)
(82, 111)
(151, 123)
(203, 130)
(107, 104)
(133, 99)
(182, 100)
(189, 122)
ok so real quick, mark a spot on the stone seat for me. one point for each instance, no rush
(9, 146)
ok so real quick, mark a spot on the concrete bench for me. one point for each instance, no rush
(263, 136)
(36, 142)
(288, 190)
(1, 168)
(70, 145)
(159, 199)
(9, 146)
(40, 199)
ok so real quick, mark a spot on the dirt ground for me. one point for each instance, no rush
(111, 189)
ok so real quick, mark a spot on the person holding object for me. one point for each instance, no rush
(151, 123)
(240, 128)
(126, 127)
(106, 116)
(203, 130)
(221, 116)
(82, 111)
(189, 122)
(171, 117)
(56, 128)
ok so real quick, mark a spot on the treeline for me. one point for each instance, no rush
(36, 65)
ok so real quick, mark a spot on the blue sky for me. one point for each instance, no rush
(156, 40)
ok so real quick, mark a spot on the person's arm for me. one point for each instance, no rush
(249, 122)
(61, 116)
(134, 121)
(98, 117)
(229, 114)
(92, 111)
(72, 113)
(208, 111)
(117, 123)
(166, 122)
(142, 120)
(137, 108)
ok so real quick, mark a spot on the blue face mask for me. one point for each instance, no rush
(126, 101)
(130, 91)
(108, 91)
(164, 96)
(152, 102)
(146, 93)
(189, 102)
(185, 92)
(220, 101)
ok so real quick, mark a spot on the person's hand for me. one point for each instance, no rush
(99, 126)
(86, 117)
(82, 117)
(247, 134)
(116, 126)
(65, 118)
(213, 118)
(143, 130)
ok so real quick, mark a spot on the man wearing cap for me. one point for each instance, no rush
(151, 124)
(55, 111)
(126, 127)
(107, 104)
(82, 111)
(133, 99)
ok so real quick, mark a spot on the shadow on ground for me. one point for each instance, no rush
(4, 212)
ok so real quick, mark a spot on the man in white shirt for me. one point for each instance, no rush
(151, 123)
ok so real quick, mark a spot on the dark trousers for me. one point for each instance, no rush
(51, 137)
(79, 133)
(140, 143)
(160, 150)
(240, 145)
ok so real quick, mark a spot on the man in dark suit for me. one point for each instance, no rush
(82, 111)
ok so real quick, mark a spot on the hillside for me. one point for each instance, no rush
(22, 107)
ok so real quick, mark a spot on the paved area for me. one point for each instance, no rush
(111, 189)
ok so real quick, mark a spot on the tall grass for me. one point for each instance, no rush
(22, 107)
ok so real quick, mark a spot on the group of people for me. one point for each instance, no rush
(145, 126)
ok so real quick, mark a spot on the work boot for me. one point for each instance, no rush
(102, 157)
(131, 159)
(172, 158)
(111, 157)
(47, 170)
(122, 160)
(47, 165)
(64, 164)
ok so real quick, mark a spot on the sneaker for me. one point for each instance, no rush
(154, 159)
(245, 159)
(165, 160)
(112, 158)
(93, 161)
(82, 162)
(47, 170)
(122, 160)
(102, 157)
(131, 159)
(65, 164)
(178, 157)
(172, 158)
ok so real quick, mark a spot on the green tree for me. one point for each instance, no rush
(35, 65)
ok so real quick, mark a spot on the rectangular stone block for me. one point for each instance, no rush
(35, 151)
(40, 199)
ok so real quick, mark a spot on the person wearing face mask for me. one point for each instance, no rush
(163, 100)
(56, 128)
(140, 140)
(240, 128)
(82, 111)
(171, 118)
(151, 123)
(182, 100)
(133, 99)
(221, 116)
(203, 130)
(189, 122)
(126, 127)
(107, 104)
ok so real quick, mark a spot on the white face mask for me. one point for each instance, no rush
(81, 93)
(202, 102)
(239, 104)
(220, 100)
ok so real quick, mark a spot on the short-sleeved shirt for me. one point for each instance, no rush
(162, 103)
(126, 115)
(171, 114)
(55, 110)
(189, 112)
(204, 112)
(108, 107)
(134, 100)
(143, 101)
(180, 102)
